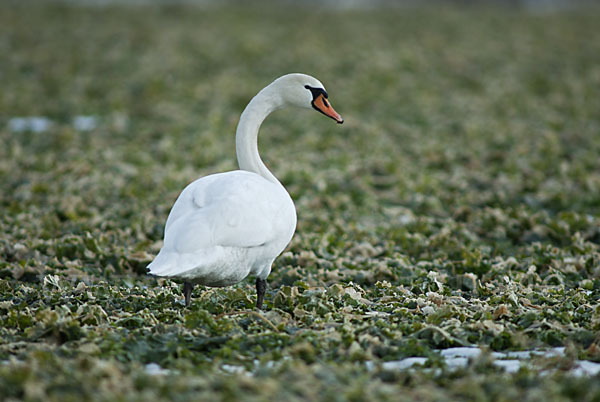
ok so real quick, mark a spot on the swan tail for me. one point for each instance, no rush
(168, 265)
(171, 264)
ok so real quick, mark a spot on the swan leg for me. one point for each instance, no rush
(261, 287)
(187, 292)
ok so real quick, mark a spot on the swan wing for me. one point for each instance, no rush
(233, 209)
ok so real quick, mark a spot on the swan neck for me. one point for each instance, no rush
(246, 139)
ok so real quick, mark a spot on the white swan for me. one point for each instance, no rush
(226, 226)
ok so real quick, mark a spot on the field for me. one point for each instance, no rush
(459, 204)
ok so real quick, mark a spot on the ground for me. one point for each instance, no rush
(458, 205)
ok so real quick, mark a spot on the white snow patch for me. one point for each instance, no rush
(585, 368)
(510, 366)
(85, 123)
(511, 362)
(41, 124)
(155, 369)
(35, 124)
(404, 363)
(231, 369)
(524, 354)
(377, 314)
(460, 352)
(456, 362)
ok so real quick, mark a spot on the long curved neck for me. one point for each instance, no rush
(246, 137)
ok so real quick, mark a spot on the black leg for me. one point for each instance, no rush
(187, 292)
(261, 286)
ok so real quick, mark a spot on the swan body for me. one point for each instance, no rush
(224, 227)
(227, 226)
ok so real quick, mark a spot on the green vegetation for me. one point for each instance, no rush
(458, 205)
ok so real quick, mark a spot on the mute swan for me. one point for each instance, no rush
(226, 226)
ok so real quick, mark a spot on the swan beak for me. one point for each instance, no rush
(323, 106)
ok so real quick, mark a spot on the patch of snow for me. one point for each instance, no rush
(510, 366)
(270, 364)
(511, 362)
(560, 351)
(461, 352)
(585, 368)
(34, 124)
(85, 123)
(524, 354)
(377, 314)
(155, 369)
(456, 362)
(231, 369)
(404, 363)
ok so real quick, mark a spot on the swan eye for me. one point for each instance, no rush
(316, 92)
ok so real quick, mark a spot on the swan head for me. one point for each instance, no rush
(304, 91)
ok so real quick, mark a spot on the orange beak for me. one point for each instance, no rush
(323, 106)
